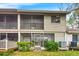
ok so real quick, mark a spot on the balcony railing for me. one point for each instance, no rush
(32, 26)
(11, 25)
(2, 44)
(74, 28)
(2, 25)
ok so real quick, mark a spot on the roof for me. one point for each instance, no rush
(43, 11)
(7, 9)
(31, 11)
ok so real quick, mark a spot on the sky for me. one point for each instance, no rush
(35, 6)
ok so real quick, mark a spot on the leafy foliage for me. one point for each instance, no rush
(24, 46)
(51, 45)
(6, 53)
(72, 19)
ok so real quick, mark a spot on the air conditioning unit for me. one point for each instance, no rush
(74, 45)
(63, 45)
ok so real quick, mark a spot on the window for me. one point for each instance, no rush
(1, 18)
(49, 36)
(37, 17)
(55, 19)
(75, 37)
(11, 18)
(25, 17)
(32, 21)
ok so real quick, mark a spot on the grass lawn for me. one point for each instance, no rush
(46, 53)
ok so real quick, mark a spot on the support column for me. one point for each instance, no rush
(18, 36)
(65, 36)
(66, 39)
(6, 45)
(31, 38)
(18, 27)
(43, 39)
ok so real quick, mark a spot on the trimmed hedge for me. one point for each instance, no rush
(24, 46)
(51, 46)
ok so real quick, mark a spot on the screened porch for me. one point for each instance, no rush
(37, 38)
(32, 21)
(8, 40)
(8, 21)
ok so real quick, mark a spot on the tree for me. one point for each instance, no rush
(72, 20)
(72, 6)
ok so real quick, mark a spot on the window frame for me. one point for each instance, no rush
(54, 17)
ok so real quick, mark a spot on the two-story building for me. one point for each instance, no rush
(31, 26)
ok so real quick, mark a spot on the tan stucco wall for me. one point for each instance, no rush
(54, 26)
(59, 37)
(77, 11)
(68, 37)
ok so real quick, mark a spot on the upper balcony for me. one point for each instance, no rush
(74, 29)
(32, 22)
(8, 21)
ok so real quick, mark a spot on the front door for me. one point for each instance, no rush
(37, 42)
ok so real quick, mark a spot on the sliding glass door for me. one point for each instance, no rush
(36, 38)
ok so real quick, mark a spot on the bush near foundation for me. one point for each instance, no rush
(51, 46)
(7, 53)
(24, 46)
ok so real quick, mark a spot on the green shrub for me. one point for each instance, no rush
(24, 46)
(6, 53)
(51, 46)
(10, 51)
